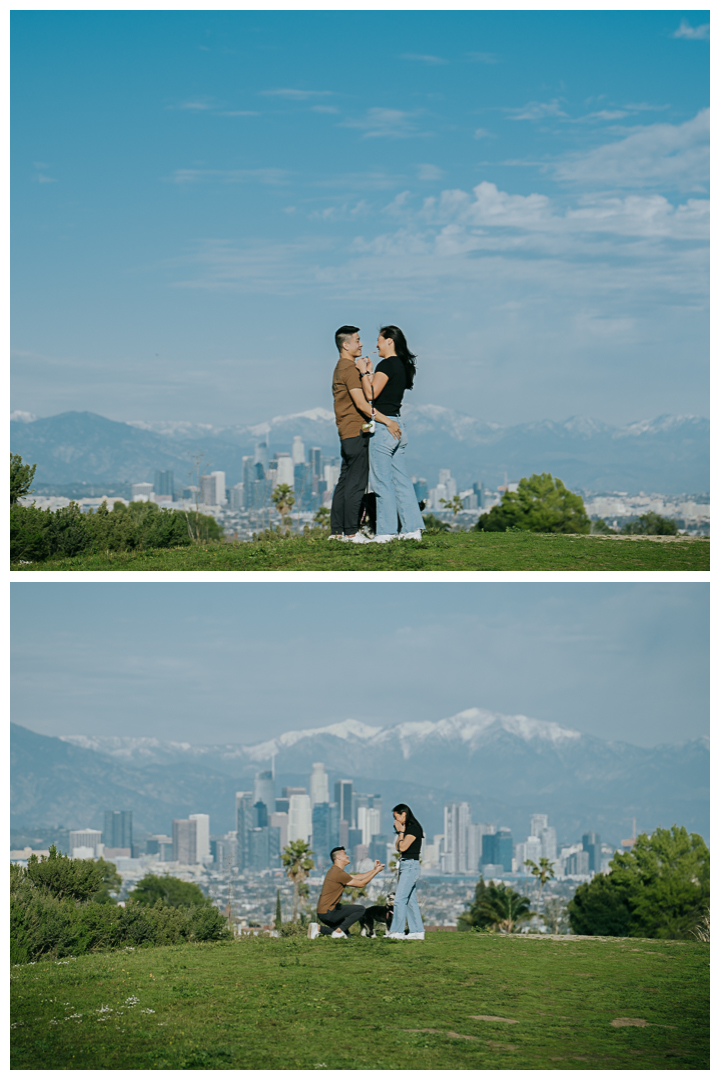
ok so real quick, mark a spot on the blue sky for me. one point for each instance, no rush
(201, 198)
(241, 662)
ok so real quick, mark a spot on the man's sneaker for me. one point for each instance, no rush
(358, 538)
(416, 937)
(417, 535)
(338, 933)
(385, 539)
(313, 930)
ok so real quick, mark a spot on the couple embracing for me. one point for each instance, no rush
(373, 439)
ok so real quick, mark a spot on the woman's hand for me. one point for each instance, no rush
(363, 364)
(394, 429)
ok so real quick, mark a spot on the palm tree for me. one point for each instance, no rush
(298, 864)
(496, 907)
(542, 872)
(284, 500)
(455, 504)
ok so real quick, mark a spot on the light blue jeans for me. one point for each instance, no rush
(406, 905)
(391, 483)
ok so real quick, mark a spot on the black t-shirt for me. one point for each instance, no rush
(390, 397)
(413, 828)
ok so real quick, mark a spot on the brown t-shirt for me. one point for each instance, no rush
(348, 417)
(333, 885)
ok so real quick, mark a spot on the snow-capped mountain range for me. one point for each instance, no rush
(507, 767)
(668, 454)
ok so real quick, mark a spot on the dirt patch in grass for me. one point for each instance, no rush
(499, 1019)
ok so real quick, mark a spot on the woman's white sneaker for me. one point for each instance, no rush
(384, 539)
(417, 937)
(417, 535)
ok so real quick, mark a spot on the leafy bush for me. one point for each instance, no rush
(651, 524)
(36, 534)
(435, 524)
(52, 913)
(495, 907)
(170, 890)
(659, 889)
(21, 477)
(540, 504)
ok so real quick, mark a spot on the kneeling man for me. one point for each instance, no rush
(337, 917)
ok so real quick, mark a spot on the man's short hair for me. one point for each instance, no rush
(332, 853)
(343, 334)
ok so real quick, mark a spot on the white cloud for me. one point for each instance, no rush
(229, 176)
(45, 179)
(666, 154)
(692, 33)
(385, 123)
(296, 95)
(483, 133)
(429, 172)
(537, 110)
(423, 58)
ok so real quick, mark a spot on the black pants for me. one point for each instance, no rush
(350, 488)
(342, 917)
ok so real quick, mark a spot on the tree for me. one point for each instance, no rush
(651, 524)
(601, 526)
(496, 907)
(66, 878)
(542, 872)
(21, 477)
(435, 524)
(659, 889)
(284, 500)
(455, 504)
(111, 884)
(171, 890)
(296, 859)
(555, 915)
(540, 504)
(278, 912)
(322, 517)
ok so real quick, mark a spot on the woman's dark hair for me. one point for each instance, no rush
(410, 819)
(401, 348)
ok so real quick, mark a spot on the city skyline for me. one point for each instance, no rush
(524, 192)
(148, 659)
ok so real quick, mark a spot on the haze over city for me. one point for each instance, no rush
(525, 193)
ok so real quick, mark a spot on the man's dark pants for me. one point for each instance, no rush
(350, 488)
(342, 917)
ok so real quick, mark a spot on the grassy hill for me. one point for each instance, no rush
(454, 1001)
(446, 551)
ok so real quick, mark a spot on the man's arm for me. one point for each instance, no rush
(358, 880)
(364, 407)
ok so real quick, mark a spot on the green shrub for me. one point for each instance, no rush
(541, 503)
(171, 890)
(63, 877)
(21, 477)
(651, 524)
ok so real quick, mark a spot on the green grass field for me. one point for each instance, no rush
(448, 551)
(454, 1001)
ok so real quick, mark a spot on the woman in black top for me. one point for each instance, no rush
(408, 843)
(396, 500)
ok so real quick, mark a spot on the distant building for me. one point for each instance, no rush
(299, 818)
(344, 800)
(164, 483)
(591, 844)
(279, 820)
(244, 821)
(161, 846)
(369, 822)
(378, 847)
(117, 832)
(476, 831)
(142, 492)
(316, 462)
(319, 791)
(298, 450)
(202, 825)
(420, 488)
(457, 821)
(85, 843)
(285, 470)
(324, 831)
(497, 849)
(577, 864)
(237, 496)
(184, 834)
(264, 790)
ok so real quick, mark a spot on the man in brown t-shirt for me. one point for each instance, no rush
(352, 411)
(337, 917)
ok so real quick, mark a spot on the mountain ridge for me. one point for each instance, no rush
(668, 454)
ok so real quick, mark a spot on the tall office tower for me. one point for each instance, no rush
(344, 799)
(321, 833)
(243, 823)
(591, 844)
(299, 818)
(316, 462)
(208, 491)
(476, 831)
(237, 496)
(298, 450)
(184, 834)
(319, 792)
(303, 486)
(378, 847)
(220, 496)
(258, 849)
(264, 790)
(202, 836)
(260, 816)
(504, 848)
(160, 845)
(279, 821)
(527, 849)
(446, 479)
(226, 851)
(117, 829)
(369, 822)
(577, 863)
(331, 475)
(84, 843)
(420, 488)
(538, 822)
(285, 470)
(548, 839)
(261, 455)
(141, 492)
(457, 822)
(164, 482)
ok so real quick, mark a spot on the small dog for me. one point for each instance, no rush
(382, 913)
